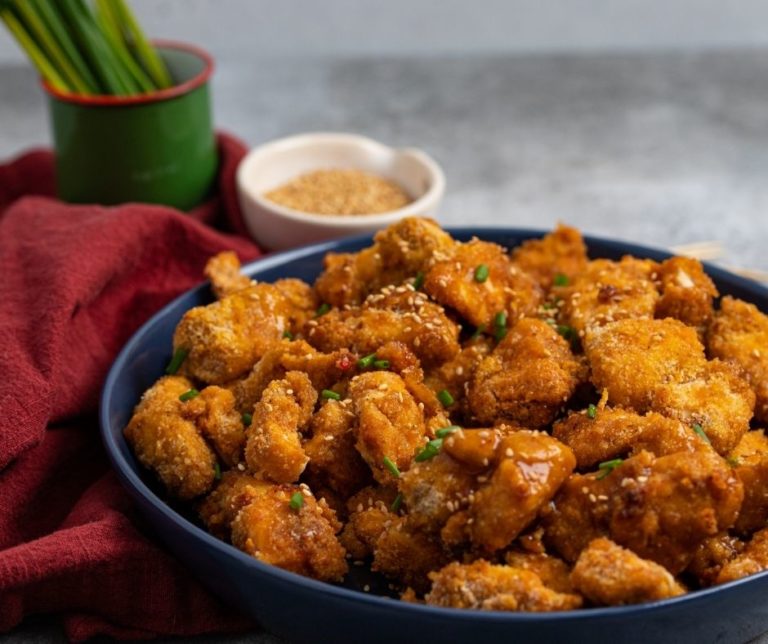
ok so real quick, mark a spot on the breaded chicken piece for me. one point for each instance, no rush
(632, 357)
(476, 449)
(531, 469)
(609, 575)
(752, 560)
(507, 288)
(323, 369)
(398, 255)
(220, 507)
(750, 462)
(216, 418)
(686, 292)
(404, 363)
(369, 511)
(300, 539)
(223, 270)
(484, 586)
(273, 448)
(561, 252)
(739, 335)
(169, 444)
(393, 315)
(226, 338)
(661, 508)
(710, 557)
(389, 422)
(619, 432)
(333, 458)
(527, 379)
(607, 291)
(553, 572)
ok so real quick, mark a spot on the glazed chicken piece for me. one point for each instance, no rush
(404, 363)
(398, 255)
(370, 510)
(559, 253)
(609, 575)
(607, 291)
(219, 422)
(220, 507)
(527, 379)
(454, 283)
(226, 338)
(750, 462)
(389, 422)
(169, 444)
(739, 336)
(686, 293)
(297, 536)
(712, 555)
(553, 572)
(224, 272)
(484, 586)
(753, 559)
(616, 432)
(394, 315)
(661, 508)
(273, 441)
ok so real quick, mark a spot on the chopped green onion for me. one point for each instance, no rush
(288, 335)
(381, 364)
(478, 332)
(189, 395)
(445, 398)
(732, 461)
(481, 273)
(391, 466)
(447, 431)
(366, 361)
(568, 333)
(179, 356)
(606, 467)
(700, 431)
(217, 471)
(500, 326)
(329, 394)
(322, 309)
(431, 449)
(247, 419)
(560, 279)
(418, 281)
(297, 501)
(396, 503)
(591, 411)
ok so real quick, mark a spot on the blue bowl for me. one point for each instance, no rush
(304, 610)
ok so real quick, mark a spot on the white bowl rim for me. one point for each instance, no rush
(415, 208)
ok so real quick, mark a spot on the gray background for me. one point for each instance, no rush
(644, 120)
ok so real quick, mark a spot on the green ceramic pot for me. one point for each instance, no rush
(156, 148)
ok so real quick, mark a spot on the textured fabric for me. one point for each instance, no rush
(75, 283)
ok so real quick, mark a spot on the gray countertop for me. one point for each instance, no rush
(661, 149)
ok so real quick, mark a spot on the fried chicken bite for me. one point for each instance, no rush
(739, 335)
(527, 379)
(223, 270)
(607, 291)
(750, 462)
(686, 293)
(454, 283)
(711, 555)
(370, 510)
(169, 444)
(219, 508)
(553, 572)
(752, 560)
(216, 418)
(561, 252)
(273, 443)
(484, 586)
(609, 575)
(300, 537)
(389, 422)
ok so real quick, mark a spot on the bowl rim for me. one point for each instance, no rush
(137, 487)
(430, 197)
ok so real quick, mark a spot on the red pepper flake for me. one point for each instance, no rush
(345, 363)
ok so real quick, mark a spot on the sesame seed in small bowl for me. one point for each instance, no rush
(314, 187)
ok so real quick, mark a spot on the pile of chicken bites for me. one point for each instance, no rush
(519, 430)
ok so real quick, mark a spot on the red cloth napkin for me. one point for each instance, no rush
(75, 283)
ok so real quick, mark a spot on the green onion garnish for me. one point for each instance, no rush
(567, 332)
(297, 500)
(322, 309)
(500, 326)
(445, 398)
(478, 332)
(179, 356)
(700, 431)
(418, 281)
(396, 503)
(217, 471)
(431, 449)
(381, 364)
(447, 431)
(366, 361)
(481, 273)
(329, 394)
(391, 466)
(189, 395)
(732, 461)
(247, 419)
(560, 279)
(591, 411)
(606, 467)
(288, 335)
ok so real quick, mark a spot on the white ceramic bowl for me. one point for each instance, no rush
(270, 165)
